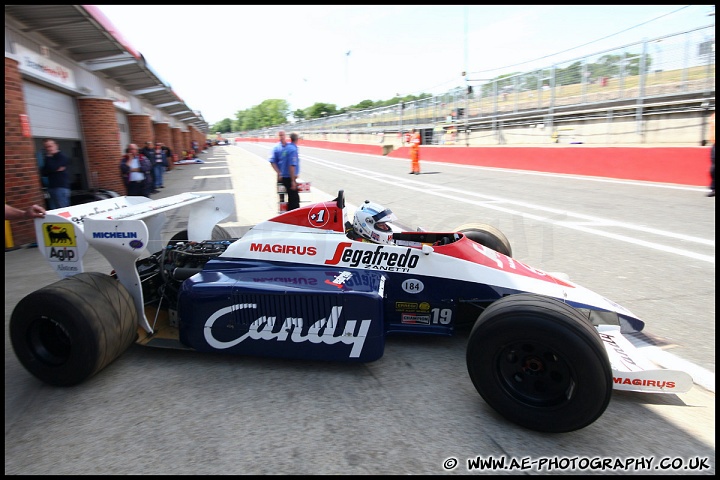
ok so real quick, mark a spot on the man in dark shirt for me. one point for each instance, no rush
(168, 156)
(55, 169)
(147, 152)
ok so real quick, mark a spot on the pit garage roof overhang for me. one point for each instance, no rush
(84, 34)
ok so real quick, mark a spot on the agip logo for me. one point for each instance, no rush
(59, 235)
(60, 242)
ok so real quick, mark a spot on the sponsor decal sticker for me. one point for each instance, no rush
(59, 234)
(60, 243)
(339, 280)
(283, 249)
(115, 235)
(413, 286)
(318, 216)
(643, 382)
(628, 362)
(378, 259)
(266, 328)
(415, 319)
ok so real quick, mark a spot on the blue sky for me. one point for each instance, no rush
(234, 57)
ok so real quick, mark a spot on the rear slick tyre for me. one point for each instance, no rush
(218, 233)
(486, 235)
(539, 363)
(68, 331)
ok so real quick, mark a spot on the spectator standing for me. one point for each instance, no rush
(277, 158)
(55, 169)
(168, 156)
(414, 152)
(290, 172)
(33, 211)
(712, 155)
(147, 151)
(135, 169)
(160, 163)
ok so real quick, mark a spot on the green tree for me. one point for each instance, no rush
(223, 126)
(364, 105)
(270, 112)
(571, 74)
(319, 110)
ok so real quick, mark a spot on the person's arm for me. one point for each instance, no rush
(274, 165)
(125, 165)
(63, 162)
(34, 211)
(145, 164)
(53, 164)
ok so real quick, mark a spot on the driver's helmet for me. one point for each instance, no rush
(370, 222)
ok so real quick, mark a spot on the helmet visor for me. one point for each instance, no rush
(384, 216)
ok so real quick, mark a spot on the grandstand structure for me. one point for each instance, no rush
(658, 91)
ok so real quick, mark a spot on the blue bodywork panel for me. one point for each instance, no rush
(309, 313)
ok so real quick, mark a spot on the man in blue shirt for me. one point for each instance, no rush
(286, 163)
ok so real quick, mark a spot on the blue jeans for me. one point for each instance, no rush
(59, 197)
(158, 170)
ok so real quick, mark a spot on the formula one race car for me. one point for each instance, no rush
(542, 351)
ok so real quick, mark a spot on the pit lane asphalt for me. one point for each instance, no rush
(174, 412)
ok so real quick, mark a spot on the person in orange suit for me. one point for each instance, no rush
(415, 152)
(712, 156)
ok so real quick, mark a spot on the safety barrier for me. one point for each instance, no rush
(680, 165)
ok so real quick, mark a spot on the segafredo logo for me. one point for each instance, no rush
(377, 259)
(280, 248)
(322, 331)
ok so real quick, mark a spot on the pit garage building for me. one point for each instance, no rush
(70, 76)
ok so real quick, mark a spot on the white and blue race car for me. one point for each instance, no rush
(544, 352)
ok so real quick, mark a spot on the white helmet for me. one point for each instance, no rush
(370, 223)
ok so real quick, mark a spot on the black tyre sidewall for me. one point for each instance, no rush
(563, 332)
(95, 312)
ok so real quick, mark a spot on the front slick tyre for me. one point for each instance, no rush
(539, 363)
(68, 331)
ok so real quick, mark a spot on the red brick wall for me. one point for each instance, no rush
(141, 130)
(185, 142)
(162, 133)
(193, 135)
(23, 185)
(177, 143)
(102, 142)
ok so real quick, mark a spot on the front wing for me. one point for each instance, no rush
(633, 372)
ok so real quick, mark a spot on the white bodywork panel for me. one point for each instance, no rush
(123, 229)
(634, 372)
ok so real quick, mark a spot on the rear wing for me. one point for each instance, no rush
(123, 229)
